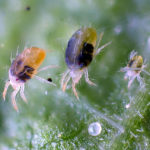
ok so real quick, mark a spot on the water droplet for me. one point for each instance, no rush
(118, 29)
(46, 92)
(127, 106)
(94, 129)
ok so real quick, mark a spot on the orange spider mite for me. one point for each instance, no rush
(23, 68)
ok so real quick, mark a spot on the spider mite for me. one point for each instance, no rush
(23, 68)
(81, 49)
(133, 69)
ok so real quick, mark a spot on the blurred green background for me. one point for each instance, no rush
(56, 120)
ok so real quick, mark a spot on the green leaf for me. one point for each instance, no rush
(55, 120)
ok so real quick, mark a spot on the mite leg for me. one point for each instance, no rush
(99, 40)
(74, 90)
(5, 89)
(132, 54)
(65, 83)
(43, 80)
(141, 81)
(87, 78)
(124, 69)
(126, 76)
(102, 47)
(130, 81)
(146, 72)
(47, 67)
(63, 78)
(22, 93)
(13, 95)
(129, 69)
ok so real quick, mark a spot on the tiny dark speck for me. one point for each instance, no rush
(131, 63)
(49, 79)
(28, 8)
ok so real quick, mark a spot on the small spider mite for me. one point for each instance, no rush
(81, 49)
(23, 68)
(134, 68)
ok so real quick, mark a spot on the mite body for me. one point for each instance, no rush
(81, 49)
(134, 68)
(23, 68)
(26, 64)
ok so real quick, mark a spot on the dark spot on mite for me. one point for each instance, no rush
(131, 63)
(28, 69)
(24, 77)
(28, 8)
(26, 73)
(88, 47)
(49, 79)
(86, 55)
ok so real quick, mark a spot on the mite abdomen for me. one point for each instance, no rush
(26, 64)
(136, 62)
(79, 52)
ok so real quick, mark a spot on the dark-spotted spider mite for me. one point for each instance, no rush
(23, 68)
(133, 69)
(81, 49)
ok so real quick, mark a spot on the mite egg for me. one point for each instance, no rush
(95, 129)
(23, 68)
(80, 51)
